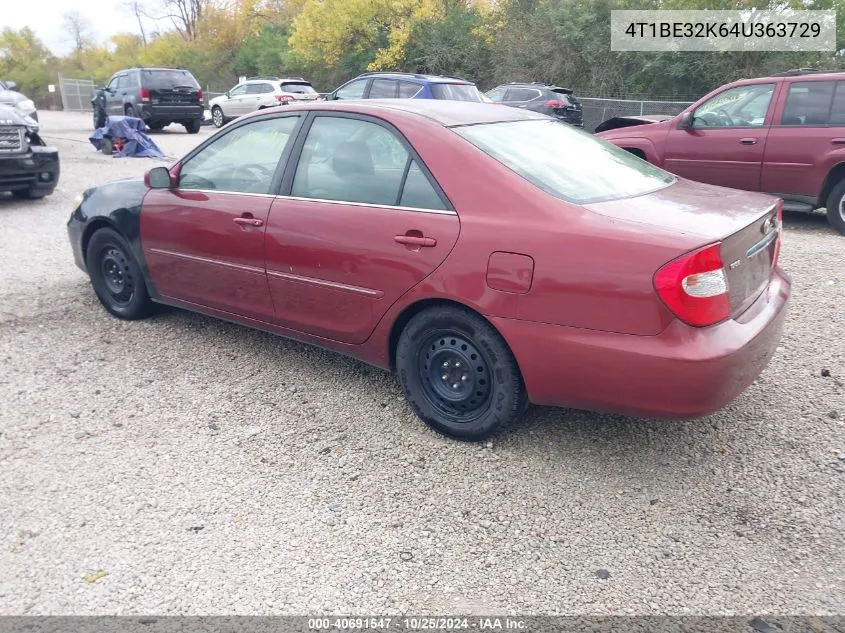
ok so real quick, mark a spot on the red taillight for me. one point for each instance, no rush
(554, 103)
(780, 233)
(145, 94)
(199, 94)
(283, 98)
(695, 288)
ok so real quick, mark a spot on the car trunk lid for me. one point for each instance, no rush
(746, 225)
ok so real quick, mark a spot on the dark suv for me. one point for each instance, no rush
(544, 98)
(159, 96)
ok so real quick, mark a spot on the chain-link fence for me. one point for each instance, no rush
(597, 110)
(76, 94)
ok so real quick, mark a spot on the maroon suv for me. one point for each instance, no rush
(783, 135)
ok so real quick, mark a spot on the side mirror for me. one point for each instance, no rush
(158, 178)
(227, 94)
(11, 85)
(686, 121)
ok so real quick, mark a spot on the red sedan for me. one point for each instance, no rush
(492, 257)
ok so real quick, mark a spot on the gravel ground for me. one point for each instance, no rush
(183, 465)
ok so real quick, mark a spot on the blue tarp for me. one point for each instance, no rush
(133, 130)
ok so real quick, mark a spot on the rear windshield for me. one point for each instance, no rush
(456, 92)
(157, 79)
(566, 162)
(565, 95)
(298, 87)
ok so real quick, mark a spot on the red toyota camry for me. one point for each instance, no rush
(491, 256)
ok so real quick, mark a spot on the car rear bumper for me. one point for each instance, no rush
(683, 372)
(37, 170)
(170, 112)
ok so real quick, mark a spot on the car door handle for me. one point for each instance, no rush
(838, 141)
(748, 141)
(248, 221)
(415, 240)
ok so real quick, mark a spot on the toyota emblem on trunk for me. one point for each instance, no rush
(769, 225)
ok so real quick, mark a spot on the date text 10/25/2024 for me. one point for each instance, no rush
(418, 624)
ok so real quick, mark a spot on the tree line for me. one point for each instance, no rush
(566, 42)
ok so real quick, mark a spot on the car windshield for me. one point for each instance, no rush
(456, 92)
(566, 162)
(298, 87)
(158, 79)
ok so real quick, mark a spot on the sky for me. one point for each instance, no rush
(44, 17)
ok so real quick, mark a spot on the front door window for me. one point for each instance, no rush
(243, 161)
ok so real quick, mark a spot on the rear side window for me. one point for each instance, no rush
(408, 89)
(383, 89)
(565, 162)
(418, 191)
(168, 78)
(522, 94)
(456, 92)
(350, 160)
(298, 87)
(837, 109)
(808, 103)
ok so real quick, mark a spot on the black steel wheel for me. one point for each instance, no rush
(116, 276)
(455, 375)
(458, 374)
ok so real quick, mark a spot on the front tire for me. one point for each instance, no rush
(99, 119)
(458, 374)
(116, 276)
(836, 207)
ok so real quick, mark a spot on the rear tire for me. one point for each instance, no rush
(130, 111)
(217, 117)
(836, 207)
(156, 125)
(116, 276)
(458, 374)
(193, 126)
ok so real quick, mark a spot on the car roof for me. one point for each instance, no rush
(416, 78)
(444, 112)
(533, 84)
(796, 76)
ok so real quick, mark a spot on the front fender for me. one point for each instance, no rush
(646, 146)
(117, 205)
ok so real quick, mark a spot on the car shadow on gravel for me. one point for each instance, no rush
(807, 221)
(540, 428)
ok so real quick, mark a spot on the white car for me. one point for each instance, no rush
(259, 92)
